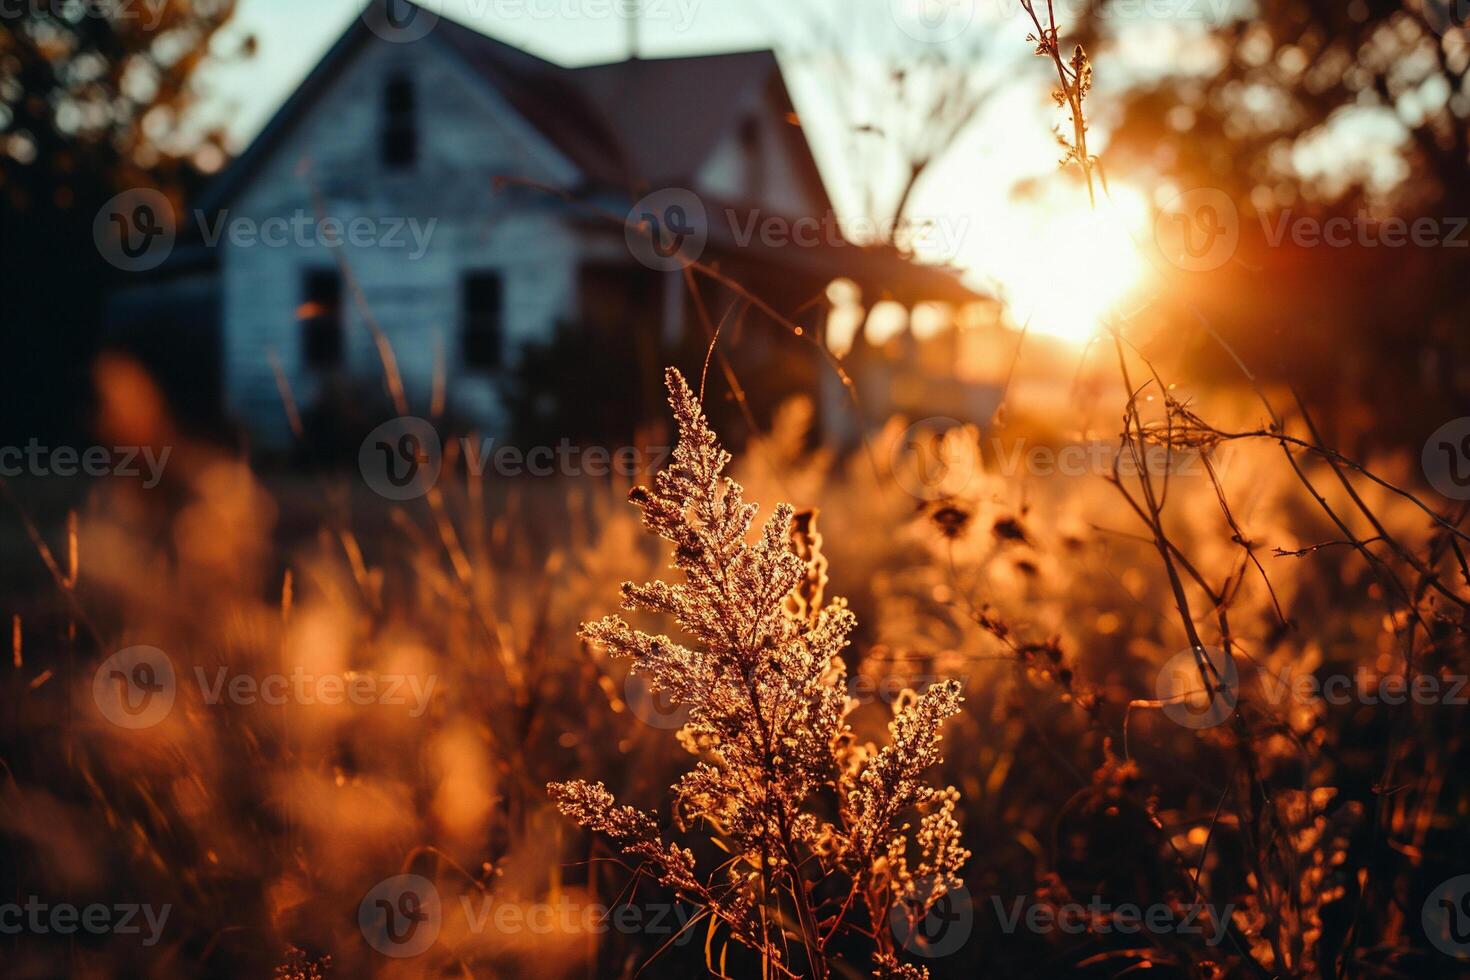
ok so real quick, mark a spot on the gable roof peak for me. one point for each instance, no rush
(627, 124)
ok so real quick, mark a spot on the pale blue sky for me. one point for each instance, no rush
(1012, 141)
(294, 35)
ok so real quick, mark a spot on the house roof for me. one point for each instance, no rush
(628, 124)
(668, 113)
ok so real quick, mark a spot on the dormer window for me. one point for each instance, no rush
(400, 123)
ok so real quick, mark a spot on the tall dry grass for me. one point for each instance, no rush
(1049, 599)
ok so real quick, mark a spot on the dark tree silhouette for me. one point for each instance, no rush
(94, 99)
(1296, 70)
(1377, 91)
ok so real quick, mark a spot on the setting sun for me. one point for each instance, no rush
(1064, 266)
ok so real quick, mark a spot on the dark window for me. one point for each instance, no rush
(320, 315)
(400, 123)
(483, 305)
(753, 147)
(750, 134)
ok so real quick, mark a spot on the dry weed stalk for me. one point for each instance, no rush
(1074, 77)
(812, 818)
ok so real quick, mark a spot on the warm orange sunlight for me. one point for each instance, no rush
(1064, 266)
(719, 489)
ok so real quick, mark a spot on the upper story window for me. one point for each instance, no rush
(400, 147)
(483, 303)
(320, 316)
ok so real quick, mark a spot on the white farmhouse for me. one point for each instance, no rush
(468, 198)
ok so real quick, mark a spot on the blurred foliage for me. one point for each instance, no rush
(1312, 110)
(263, 826)
(1236, 107)
(94, 99)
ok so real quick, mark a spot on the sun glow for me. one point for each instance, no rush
(1064, 266)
